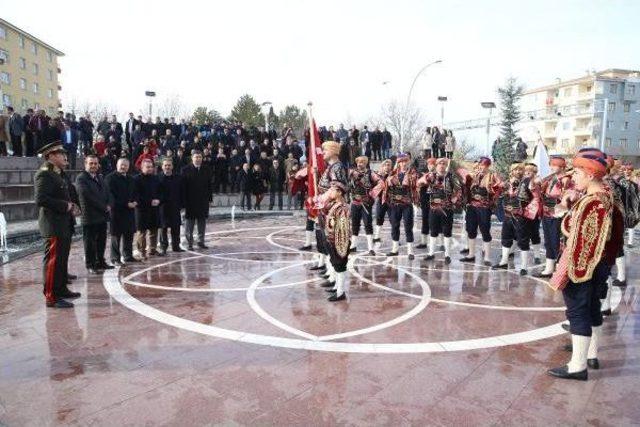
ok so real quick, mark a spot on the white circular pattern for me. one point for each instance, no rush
(114, 286)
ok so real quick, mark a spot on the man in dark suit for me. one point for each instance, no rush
(94, 201)
(69, 138)
(16, 129)
(56, 212)
(147, 191)
(122, 200)
(276, 184)
(171, 202)
(197, 190)
(130, 126)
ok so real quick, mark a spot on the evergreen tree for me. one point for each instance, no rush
(293, 117)
(201, 116)
(504, 152)
(247, 111)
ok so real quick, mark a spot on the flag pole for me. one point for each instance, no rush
(312, 149)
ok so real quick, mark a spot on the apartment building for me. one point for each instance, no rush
(569, 115)
(29, 71)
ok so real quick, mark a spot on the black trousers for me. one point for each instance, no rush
(478, 218)
(175, 237)
(401, 213)
(377, 152)
(338, 262)
(188, 229)
(534, 230)
(440, 222)
(56, 255)
(361, 213)
(515, 228)
(551, 230)
(583, 301)
(16, 145)
(424, 208)
(321, 240)
(381, 211)
(127, 246)
(245, 201)
(94, 237)
(272, 199)
(310, 225)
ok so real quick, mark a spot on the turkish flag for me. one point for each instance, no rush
(315, 160)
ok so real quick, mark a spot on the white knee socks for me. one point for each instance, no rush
(472, 247)
(524, 260)
(376, 231)
(447, 246)
(504, 259)
(307, 238)
(596, 332)
(424, 238)
(370, 242)
(549, 267)
(409, 248)
(621, 267)
(394, 247)
(432, 245)
(340, 283)
(606, 302)
(486, 248)
(578, 360)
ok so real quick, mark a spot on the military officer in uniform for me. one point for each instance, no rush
(56, 211)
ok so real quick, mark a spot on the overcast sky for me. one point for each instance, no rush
(334, 53)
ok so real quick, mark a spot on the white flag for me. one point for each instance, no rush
(542, 160)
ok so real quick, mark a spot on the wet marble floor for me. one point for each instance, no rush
(242, 334)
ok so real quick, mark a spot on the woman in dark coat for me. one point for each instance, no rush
(259, 184)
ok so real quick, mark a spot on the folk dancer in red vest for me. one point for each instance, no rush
(483, 187)
(445, 192)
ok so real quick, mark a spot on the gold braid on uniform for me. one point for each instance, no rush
(338, 226)
(589, 230)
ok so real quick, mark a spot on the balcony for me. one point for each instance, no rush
(582, 130)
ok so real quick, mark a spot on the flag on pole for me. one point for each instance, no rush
(315, 159)
(541, 160)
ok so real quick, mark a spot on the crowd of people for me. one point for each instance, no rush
(243, 159)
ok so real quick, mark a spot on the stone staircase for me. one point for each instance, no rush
(17, 192)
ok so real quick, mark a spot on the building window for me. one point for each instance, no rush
(567, 92)
(565, 126)
(5, 78)
(631, 89)
(607, 142)
(612, 107)
(3, 33)
(49, 75)
(35, 69)
(23, 63)
(6, 100)
(627, 107)
(609, 124)
(49, 56)
(36, 106)
(625, 126)
(34, 48)
(21, 41)
(50, 93)
(35, 88)
(613, 88)
(564, 143)
(23, 84)
(623, 142)
(25, 104)
(4, 55)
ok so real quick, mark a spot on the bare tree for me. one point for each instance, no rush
(464, 150)
(413, 127)
(172, 106)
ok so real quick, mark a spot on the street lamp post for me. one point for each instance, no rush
(442, 100)
(150, 94)
(490, 106)
(406, 107)
(265, 106)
